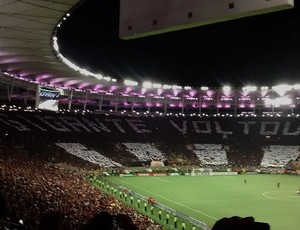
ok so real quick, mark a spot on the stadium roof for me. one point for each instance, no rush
(26, 30)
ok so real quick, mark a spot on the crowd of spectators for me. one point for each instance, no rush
(32, 187)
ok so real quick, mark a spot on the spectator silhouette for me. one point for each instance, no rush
(52, 220)
(240, 223)
(101, 221)
(105, 221)
(2, 207)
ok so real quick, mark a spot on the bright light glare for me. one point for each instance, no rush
(156, 86)
(167, 87)
(147, 85)
(282, 89)
(297, 86)
(226, 89)
(176, 87)
(250, 88)
(130, 83)
(264, 88)
(278, 101)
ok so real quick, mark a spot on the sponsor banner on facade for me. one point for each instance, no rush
(223, 173)
(142, 174)
(158, 174)
(47, 99)
(152, 174)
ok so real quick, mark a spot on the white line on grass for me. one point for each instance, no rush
(225, 200)
(277, 198)
(182, 205)
(156, 178)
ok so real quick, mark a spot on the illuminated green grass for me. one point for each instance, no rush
(213, 197)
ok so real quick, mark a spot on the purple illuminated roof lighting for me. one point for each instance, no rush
(210, 93)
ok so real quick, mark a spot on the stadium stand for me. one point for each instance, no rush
(144, 151)
(279, 155)
(33, 186)
(211, 154)
(88, 155)
(45, 156)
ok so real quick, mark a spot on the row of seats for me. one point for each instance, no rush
(208, 154)
(211, 154)
(144, 151)
(89, 155)
(279, 155)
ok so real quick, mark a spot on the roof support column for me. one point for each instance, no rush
(100, 101)
(70, 100)
(85, 101)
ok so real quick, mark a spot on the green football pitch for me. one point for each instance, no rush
(209, 198)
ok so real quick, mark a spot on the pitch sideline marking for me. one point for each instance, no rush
(224, 200)
(194, 210)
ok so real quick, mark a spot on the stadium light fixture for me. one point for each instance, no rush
(187, 87)
(226, 90)
(130, 83)
(282, 89)
(147, 85)
(264, 88)
(98, 76)
(204, 88)
(159, 91)
(176, 87)
(278, 101)
(167, 87)
(249, 88)
(156, 85)
(297, 86)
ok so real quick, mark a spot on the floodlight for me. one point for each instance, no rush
(107, 78)
(264, 88)
(176, 87)
(284, 101)
(278, 101)
(130, 83)
(167, 87)
(282, 89)
(297, 86)
(204, 88)
(98, 76)
(226, 89)
(250, 88)
(147, 85)
(156, 86)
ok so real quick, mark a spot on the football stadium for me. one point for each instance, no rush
(86, 150)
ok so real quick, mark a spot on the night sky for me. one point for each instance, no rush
(260, 50)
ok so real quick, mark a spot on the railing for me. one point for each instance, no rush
(165, 208)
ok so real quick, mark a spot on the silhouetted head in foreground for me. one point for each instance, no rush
(239, 223)
(52, 220)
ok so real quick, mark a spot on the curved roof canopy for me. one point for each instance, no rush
(26, 30)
